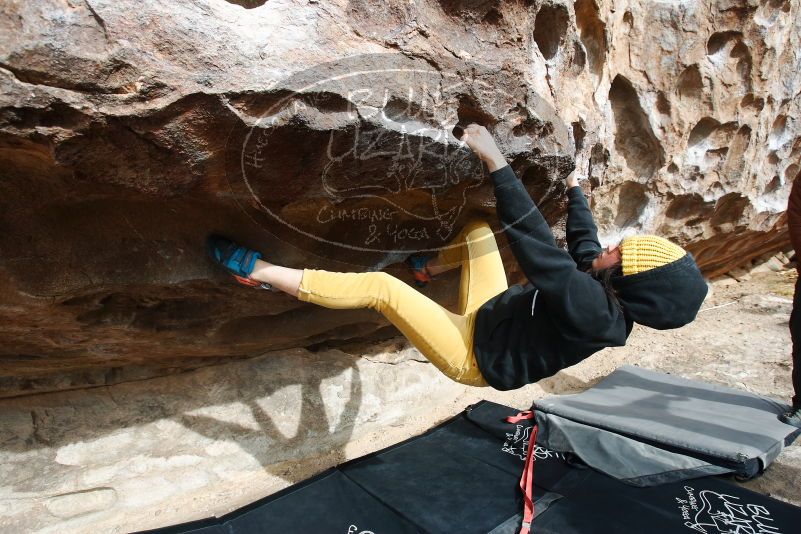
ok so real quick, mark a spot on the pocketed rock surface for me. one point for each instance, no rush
(320, 133)
(140, 387)
(161, 451)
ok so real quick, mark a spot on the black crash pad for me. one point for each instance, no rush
(462, 476)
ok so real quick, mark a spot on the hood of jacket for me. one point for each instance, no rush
(665, 297)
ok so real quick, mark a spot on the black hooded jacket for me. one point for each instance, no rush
(563, 314)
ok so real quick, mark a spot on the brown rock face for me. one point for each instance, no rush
(321, 133)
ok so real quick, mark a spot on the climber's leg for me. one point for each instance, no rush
(283, 278)
(483, 275)
(443, 337)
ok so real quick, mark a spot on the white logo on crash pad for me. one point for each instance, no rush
(516, 444)
(717, 513)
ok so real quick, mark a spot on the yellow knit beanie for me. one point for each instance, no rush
(643, 252)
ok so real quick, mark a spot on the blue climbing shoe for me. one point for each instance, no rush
(417, 265)
(236, 259)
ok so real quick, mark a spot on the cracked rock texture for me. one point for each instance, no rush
(320, 133)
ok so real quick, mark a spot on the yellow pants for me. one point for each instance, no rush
(445, 338)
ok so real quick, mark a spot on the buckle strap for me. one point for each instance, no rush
(522, 416)
(527, 477)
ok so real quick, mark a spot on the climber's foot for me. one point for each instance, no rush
(236, 259)
(417, 265)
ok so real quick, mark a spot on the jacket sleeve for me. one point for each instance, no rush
(578, 302)
(582, 234)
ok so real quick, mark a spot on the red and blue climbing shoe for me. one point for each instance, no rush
(236, 259)
(421, 274)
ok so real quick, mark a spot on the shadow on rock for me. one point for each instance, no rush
(269, 445)
(283, 407)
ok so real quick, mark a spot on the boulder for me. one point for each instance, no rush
(322, 133)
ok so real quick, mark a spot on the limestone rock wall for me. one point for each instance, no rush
(320, 132)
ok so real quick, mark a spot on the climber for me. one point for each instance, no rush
(575, 302)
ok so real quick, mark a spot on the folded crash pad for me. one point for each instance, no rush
(648, 428)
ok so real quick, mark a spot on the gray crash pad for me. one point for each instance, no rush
(648, 428)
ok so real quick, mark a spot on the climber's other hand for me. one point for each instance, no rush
(572, 180)
(481, 142)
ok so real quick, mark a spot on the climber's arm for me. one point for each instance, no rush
(582, 234)
(516, 211)
(577, 301)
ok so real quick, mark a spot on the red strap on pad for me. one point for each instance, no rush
(527, 478)
(522, 416)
